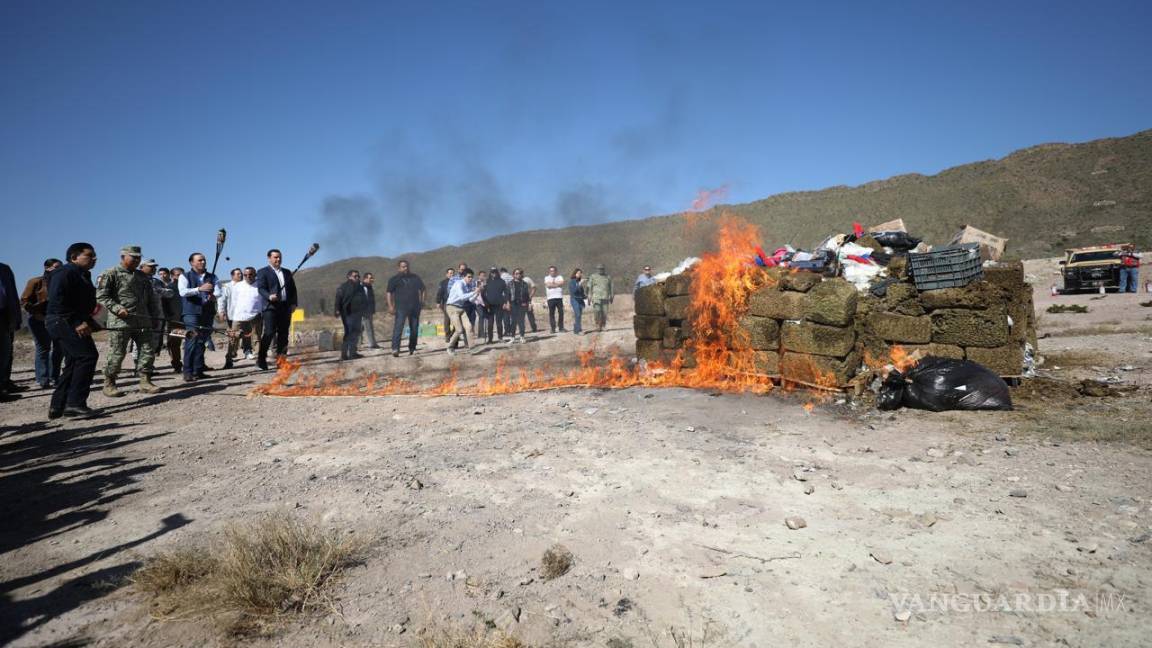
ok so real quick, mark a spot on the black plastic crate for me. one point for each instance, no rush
(950, 266)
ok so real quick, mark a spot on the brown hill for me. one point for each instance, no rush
(1042, 198)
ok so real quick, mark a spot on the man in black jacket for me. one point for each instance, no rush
(351, 303)
(10, 317)
(442, 293)
(278, 288)
(520, 300)
(495, 303)
(71, 304)
(369, 310)
(173, 320)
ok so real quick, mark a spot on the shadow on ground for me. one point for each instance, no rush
(55, 480)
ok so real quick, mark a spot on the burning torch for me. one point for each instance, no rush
(311, 250)
(221, 234)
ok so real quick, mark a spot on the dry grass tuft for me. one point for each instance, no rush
(442, 638)
(265, 568)
(1067, 308)
(173, 570)
(556, 562)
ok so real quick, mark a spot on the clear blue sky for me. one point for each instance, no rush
(381, 128)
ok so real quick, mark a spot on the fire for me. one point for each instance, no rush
(617, 373)
(722, 282)
(898, 358)
(724, 361)
(901, 359)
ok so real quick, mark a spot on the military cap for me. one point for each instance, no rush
(148, 262)
(599, 266)
(130, 250)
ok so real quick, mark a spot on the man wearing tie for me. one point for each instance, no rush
(278, 289)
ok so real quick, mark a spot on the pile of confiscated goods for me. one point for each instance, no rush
(841, 315)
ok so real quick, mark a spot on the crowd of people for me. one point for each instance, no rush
(490, 306)
(151, 311)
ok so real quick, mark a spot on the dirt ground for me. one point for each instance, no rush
(1029, 527)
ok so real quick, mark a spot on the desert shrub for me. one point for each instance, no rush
(273, 565)
(556, 562)
(1067, 308)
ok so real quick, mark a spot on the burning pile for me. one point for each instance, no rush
(802, 328)
(720, 355)
(789, 326)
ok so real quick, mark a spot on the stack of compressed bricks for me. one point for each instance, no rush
(807, 329)
(988, 321)
(662, 320)
(802, 328)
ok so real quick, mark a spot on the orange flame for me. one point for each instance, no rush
(724, 361)
(901, 359)
(898, 358)
(722, 282)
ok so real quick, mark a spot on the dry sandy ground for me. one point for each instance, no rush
(956, 529)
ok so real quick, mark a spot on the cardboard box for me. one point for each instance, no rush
(991, 246)
(896, 225)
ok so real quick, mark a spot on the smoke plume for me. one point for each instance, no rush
(454, 185)
(350, 225)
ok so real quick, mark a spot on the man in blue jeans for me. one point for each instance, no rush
(405, 298)
(1130, 269)
(197, 294)
(577, 299)
(34, 300)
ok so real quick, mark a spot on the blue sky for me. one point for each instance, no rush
(381, 128)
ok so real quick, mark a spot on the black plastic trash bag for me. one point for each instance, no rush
(898, 241)
(940, 384)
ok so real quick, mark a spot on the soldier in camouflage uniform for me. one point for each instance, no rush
(148, 267)
(601, 295)
(133, 308)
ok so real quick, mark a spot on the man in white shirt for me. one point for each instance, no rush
(554, 293)
(224, 293)
(197, 289)
(245, 310)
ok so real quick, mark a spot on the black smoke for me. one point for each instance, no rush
(451, 188)
(349, 225)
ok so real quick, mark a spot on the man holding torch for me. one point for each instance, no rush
(197, 294)
(278, 289)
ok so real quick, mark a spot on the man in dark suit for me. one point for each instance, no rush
(69, 319)
(278, 289)
(351, 306)
(9, 323)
